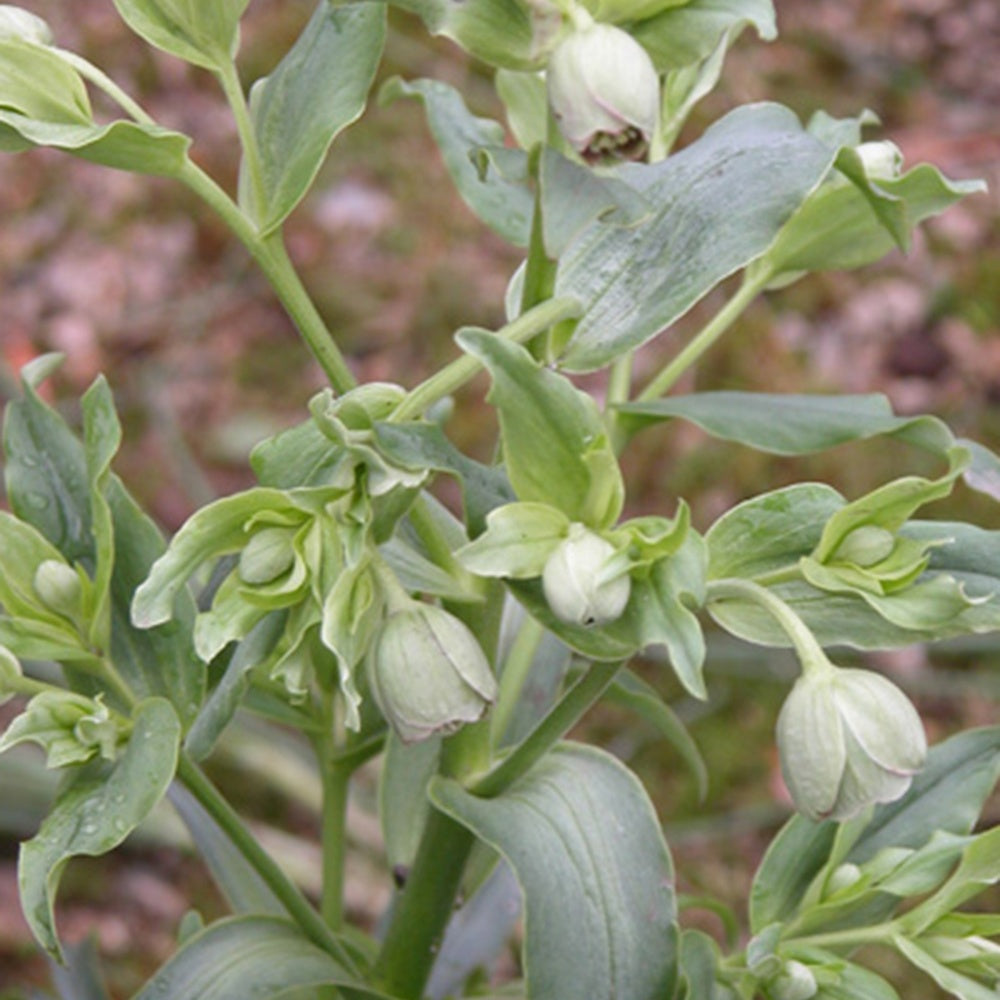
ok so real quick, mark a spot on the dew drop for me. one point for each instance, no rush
(89, 829)
(37, 500)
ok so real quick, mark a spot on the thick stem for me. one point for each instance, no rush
(454, 375)
(717, 326)
(423, 908)
(298, 907)
(567, 712)
(336, 782)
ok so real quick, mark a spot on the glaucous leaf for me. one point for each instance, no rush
(206, 34)
(239, 882)
(555, 447)
(720, 202)
(124, 145)
(504, 205)
(48, 486)
(688, 33)
(955, 983)
(424, 445)
(316, 91)
(947, 795)
(248, 958)
(96, 811)
(586, 847)
(402, 795)
(517, 542)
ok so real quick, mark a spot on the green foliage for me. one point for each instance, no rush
(340, 598)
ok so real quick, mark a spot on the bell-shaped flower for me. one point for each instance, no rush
(604, 93)
(847, 739)
(428, 672)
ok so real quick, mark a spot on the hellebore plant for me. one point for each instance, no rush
(341, 600)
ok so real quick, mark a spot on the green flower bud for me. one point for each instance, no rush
(604, 93)
(10, 674)
(58, 587)
(428, 673)
(15, 22)
(573, 583)
(882, 160)
(795, 982)
(269, 553)
(866, 546)
(842, 877)
(847, 739)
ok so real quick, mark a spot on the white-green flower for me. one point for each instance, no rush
(428, 673)
(576, 582)
(604, 93)
(847, 739)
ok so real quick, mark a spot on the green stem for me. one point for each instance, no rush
(103, 82)
(423, 908)
(229, 80)
(717, 326)
(807, 648)
(336, 782)
(787, 574)
(515, 673)
(567, 712)
(298, 907)
(454, 375)
(272, 258)
(440, 551)
(851, 937)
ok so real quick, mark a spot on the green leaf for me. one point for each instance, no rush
(555, 448)
(586, 847)
(96, 811)
(402, 795)
(206, 34)
(316, 91)
(80, 978)
(425, 446)
(978, 869)
(688, 33)
(788, 424)
(720, 203)
(699, 960)
(527, 105)
(221, 705)
(838, 228)
(124, 145)
(632, 692)
(518, 540)
(48, 486)
(102, 437)
(955, 983)
(247, 958)
(214, 530)
(504, 205)
(239, 882)
(947, 795)
(37, 83)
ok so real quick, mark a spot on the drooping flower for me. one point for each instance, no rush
(847, 739)
(604, 93)
(428, 673)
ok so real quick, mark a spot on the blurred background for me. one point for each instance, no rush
(131, 276)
